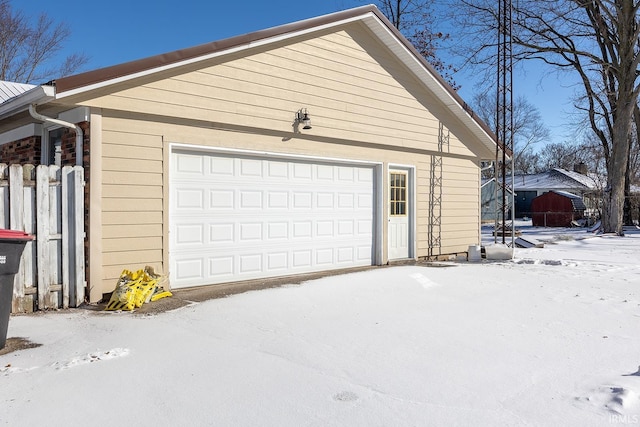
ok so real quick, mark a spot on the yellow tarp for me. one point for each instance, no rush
(137, 288)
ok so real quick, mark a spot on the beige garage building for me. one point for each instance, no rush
(319, 145)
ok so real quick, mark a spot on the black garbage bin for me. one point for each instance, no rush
(12, 244)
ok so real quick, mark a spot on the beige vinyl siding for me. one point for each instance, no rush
(132, 203)
(347, 91)
(363, 105)
(460, 202)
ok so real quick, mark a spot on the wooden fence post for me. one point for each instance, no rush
(51, 204)
(4, 196)
(73, 232)
(79, 236)
(16, 222)
(44, 228)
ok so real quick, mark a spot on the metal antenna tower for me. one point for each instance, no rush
(504, 125)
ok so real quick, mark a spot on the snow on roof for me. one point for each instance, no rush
(566, 194)
(585, 180)
(576, 201)
(557, 178)
(10, 90)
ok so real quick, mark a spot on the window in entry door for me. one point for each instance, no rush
(398, 194)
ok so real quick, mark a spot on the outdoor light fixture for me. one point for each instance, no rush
(302, 116)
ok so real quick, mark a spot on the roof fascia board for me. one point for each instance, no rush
(413, 60)
(37, 95)
(228, 51)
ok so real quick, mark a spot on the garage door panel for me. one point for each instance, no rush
(221, 233)
(249, 199)
(364, 253)
(220, 166)
(190, 234)
(189, 268)
(302, 171)
(277, 262)
(277, 231)
(220, 267)
(365, 201)
(189, 165)
(325, 256)
(238, 218)
(190, 198)
(277, 200)
(277, 169)
(248, 230)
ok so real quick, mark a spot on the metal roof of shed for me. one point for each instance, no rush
(10, 90)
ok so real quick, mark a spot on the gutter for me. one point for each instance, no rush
(78, 129)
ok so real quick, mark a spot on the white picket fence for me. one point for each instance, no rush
(48, 202)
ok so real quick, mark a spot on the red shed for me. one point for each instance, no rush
(556, 209)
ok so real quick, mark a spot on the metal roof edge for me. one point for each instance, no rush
(70, 85)
(37, 95)
(448, 91)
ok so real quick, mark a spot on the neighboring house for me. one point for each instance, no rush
(324, 144)
(556, 209)
(528, 187)
(488, 206)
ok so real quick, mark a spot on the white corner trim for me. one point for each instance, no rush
(32, 129)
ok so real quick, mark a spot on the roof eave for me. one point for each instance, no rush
(436, 83)
(79, 83)
(20, 103)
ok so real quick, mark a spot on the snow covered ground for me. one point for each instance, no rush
(550, 338)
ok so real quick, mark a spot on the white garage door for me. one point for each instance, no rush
(237, 218)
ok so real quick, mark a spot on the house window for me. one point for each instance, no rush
(52, 147)
(398, 194)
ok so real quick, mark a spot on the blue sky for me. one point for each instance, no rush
(118, 31)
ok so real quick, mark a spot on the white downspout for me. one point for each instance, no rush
(78, 129)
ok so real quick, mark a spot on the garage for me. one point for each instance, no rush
(243, 216)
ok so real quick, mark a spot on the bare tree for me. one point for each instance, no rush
(528, 128)
(528, 162)
(598, 41)
(631, 199)
(414, 19)
(28, 51)
(566, 155)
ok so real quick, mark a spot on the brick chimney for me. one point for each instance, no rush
(580, 168)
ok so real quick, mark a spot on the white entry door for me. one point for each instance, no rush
(235, 217)
(398, 214)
